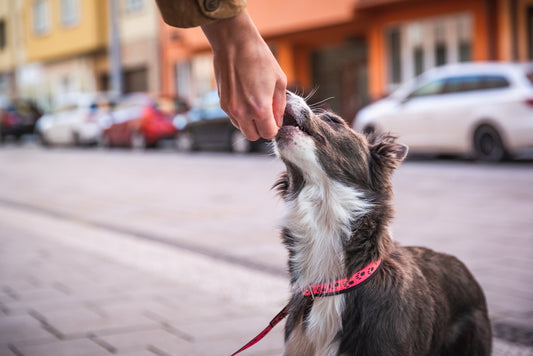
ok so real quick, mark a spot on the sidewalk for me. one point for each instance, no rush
(79, 291)
(75, 290)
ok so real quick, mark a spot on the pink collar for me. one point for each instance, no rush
(342, 285)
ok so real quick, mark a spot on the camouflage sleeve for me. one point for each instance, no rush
(191, 13)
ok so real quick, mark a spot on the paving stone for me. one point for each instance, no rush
(21, 328)
(78, 347)
(271, 345)
(85, 321)
(137, 353)
(504, 348)
(143, 340)
(5, 351)
(235, 328)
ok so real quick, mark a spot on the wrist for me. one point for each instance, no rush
(233, 31)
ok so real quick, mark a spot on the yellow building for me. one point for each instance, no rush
(11, 46)
(64, 41)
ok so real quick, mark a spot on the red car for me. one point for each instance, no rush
(139, 121)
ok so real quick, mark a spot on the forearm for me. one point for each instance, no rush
(233, 32)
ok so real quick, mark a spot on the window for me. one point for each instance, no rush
(183, 80)
(394, 46)
(462, 84)
(475, 82)
(464, 26)
(134, 5)
(441, 48)
(431, 88)
(40, 17)
(2, 34)
(414, 47)
(70, 12)
(418, 55)
(494, 82)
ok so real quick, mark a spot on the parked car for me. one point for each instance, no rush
(139, 121)
(207, 126)
(76, 119)
(483, 109)
(17, 118)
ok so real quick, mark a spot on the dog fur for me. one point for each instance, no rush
(338, 192)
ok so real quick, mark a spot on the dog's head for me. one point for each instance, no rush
(320, 146)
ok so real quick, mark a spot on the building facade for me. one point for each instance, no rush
(11, 46)
(52, 47)
(356, 51)
(63, 40)
(139, 26)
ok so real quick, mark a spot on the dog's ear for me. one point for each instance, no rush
(282, 185)
(386, 151)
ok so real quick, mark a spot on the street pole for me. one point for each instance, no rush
(114, 49)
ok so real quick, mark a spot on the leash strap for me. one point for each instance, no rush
(281, 315)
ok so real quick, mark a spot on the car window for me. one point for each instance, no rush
(462, 84)
(475, 82)
(432, 88)
(494, 82)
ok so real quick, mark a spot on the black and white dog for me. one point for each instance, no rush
(337, 188)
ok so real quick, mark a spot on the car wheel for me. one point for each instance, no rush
(138, 141)
(488, 145)
(185, 142)
(239, 143)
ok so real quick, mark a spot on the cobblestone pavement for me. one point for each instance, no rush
(92, 264)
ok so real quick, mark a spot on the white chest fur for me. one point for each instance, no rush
(320, 220)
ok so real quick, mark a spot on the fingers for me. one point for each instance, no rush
(256, 120)
(279, 100)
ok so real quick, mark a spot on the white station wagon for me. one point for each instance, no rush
(483, 109)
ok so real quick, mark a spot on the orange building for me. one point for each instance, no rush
(359, 50)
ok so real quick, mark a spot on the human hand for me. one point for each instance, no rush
(251, 84)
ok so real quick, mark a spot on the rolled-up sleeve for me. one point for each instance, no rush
(191, 13)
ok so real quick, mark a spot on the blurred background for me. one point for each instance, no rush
(80, 60)
(158, 250)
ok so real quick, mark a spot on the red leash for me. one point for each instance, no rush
(281, 315)
(319, 290)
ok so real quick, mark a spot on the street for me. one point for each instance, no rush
(164, 253)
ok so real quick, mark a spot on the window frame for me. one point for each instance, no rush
(69, 12)
(40, 17)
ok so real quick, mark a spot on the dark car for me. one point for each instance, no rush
(139, 121)
(18, 118)
(207, 127)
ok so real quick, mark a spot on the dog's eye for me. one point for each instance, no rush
(330, 119)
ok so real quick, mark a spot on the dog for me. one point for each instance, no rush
(337, 190)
